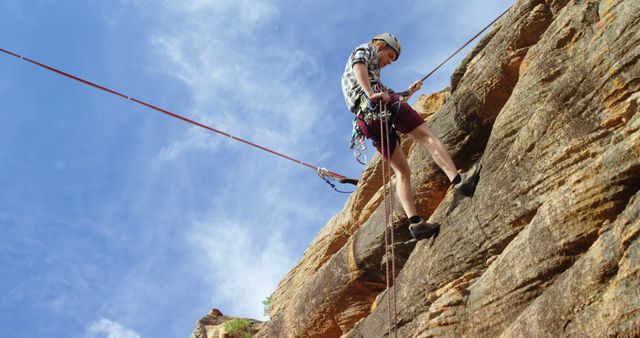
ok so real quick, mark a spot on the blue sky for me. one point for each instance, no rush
(117, 221)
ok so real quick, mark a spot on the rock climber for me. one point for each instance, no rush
(364, 92)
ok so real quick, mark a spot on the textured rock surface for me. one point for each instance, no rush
(548, 246)
(548, 103)
(342, 262)
(343, 280)
(212, 326)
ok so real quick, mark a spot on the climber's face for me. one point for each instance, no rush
(386, 56)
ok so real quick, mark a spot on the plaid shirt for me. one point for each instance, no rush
(367, 54)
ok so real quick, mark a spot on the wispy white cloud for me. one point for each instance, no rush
(241, 12)
(105, 328)
(241, 74)
(244, 247)
(195, 138)
(457, 22)
(243, 267)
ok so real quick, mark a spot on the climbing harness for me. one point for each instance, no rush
(326, 174)
(366, 112)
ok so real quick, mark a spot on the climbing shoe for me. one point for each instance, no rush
(467, 181)
(423, 229)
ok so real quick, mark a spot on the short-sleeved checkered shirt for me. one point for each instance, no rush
(367, 54)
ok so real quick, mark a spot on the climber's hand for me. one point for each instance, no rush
(380, 97)
(415, 87)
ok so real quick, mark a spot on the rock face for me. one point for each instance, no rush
(548, 103)
(212, 326)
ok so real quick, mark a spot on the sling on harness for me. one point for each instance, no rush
(367, 111)
(370, 111)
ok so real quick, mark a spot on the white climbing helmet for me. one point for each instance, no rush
(391, 40)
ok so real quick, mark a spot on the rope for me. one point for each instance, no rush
(327, 173)
(465, 45)
(388, 227)
(390, 222)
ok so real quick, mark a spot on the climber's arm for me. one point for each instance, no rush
(362, 76)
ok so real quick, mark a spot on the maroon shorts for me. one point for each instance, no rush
(403, 119)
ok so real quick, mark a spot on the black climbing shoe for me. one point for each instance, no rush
(348, 181)
(468, 181)
(423, 229)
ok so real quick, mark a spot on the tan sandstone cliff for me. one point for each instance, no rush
(548, 102)
(213, 326)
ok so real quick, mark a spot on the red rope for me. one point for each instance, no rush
(465, 45)
(388, 226)
(164, 111)
(391, 235)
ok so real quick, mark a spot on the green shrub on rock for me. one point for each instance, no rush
(240, 328)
